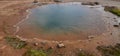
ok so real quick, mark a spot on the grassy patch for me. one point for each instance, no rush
(113, 10)
(109, 50)
(33, 52)
(38, 52)
(15, 42)
(82, 53)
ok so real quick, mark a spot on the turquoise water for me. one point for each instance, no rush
(65, 18)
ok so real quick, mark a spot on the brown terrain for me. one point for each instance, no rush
(13, 11)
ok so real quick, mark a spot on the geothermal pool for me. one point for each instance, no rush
(63, 21)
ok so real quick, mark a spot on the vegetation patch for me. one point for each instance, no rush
(83, 53)
(34, 52)
(109, 50)
(113, 10)
(38, 52)
(15, 42)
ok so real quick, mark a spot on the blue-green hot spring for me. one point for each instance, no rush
(63, 21)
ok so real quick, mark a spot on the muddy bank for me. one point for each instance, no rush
(12, 14)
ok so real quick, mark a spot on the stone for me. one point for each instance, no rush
(111, 33)
(50, 47)
(90, 37)
(97, 3)
(90, 3)
(98, 42)
(57, 0)
(116, 25)
(60, 45)
(80, 49)
(118, 21)
(36, 44)
(35, 1)
(114, 18)
(43, 42)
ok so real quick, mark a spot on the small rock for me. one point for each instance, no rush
(98, 42)
(43, 42)
(57, 0)
(111, 33)
(35, 1)
(80, 49)
(60, 45)
(116, 25)
(114, 18)
(90, 37)
(91, 3)
(50, 47)
(97, 3)
(36, 44)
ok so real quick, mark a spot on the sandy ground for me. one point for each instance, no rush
(13, 11)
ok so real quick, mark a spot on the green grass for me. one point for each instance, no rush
(15, 42)
(109, 50)
(33, 52)
(38, 52)
(113, 10)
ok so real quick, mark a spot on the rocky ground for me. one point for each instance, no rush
(12, 11)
